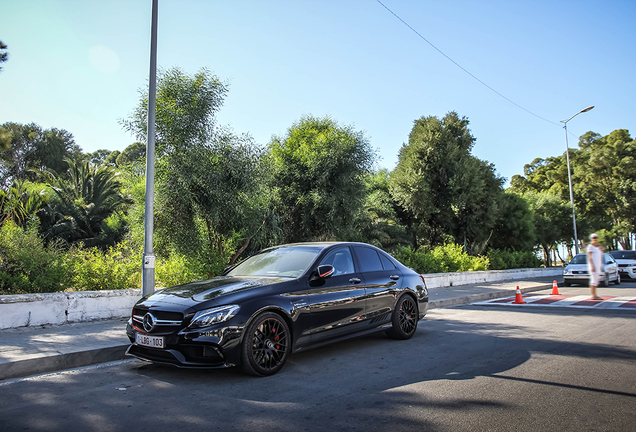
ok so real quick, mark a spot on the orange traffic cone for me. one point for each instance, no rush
(555, 288)
(518, 298)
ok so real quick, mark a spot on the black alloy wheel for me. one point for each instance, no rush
(266, 345)
(405, 317)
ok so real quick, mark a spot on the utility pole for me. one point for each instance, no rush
(148, 272)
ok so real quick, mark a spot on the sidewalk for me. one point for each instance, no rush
(33, 350)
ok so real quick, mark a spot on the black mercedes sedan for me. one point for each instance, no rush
(281, 300)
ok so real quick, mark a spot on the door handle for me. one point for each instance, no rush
(355, 280)
(394, 277)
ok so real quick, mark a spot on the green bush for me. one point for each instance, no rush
(26, 264)
(442, 259)
(119, 267)
(501, 259)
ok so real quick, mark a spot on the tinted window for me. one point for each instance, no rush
(290, 261)
(369, 259)
(341, 260)
(386, 262)
(608, 259)
(624, 254)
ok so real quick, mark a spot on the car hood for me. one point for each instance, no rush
(576, 267)
(210, 289)
(625, 261)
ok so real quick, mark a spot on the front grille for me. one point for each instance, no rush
(164, 321)
(624, 265)
(199, 353)
(162, 315)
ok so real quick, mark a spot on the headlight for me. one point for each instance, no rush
(208, 317)
(567, 272)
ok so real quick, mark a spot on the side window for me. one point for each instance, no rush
(386, 262)
(608, 259)
(369, 259)
(341, 260)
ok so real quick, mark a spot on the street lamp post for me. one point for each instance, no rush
(567, 155)
(148, 266)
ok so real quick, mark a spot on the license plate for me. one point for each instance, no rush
(150, 341)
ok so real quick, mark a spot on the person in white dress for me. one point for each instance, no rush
(595, 264)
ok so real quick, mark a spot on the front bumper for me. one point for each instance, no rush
(217, 348)
(629, 272)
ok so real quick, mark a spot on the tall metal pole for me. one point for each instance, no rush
(148, 272)
(567, 155)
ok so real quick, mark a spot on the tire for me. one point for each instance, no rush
(618, 279)
(404, 319)
(567, 283)
(266, 345)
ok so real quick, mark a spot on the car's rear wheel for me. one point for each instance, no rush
(266, 345)
(404, 318)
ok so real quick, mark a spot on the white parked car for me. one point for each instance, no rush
(576, 271)
(626, 263)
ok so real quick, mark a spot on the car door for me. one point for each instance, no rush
(382, 281)
(336, 304)
(611, 267)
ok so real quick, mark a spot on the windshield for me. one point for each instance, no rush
(631, 255)
(286, 261)
(579, 259)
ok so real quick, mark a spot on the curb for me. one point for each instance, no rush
(61, 361)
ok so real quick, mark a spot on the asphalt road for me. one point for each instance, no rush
(472, 368)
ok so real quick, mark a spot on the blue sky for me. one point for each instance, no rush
(79, 65)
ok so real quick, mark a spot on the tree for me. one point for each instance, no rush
(552, 221)
(605, 182)
(4, 55)
(318, 178)
(379, 223)
(21, 202)
(185, 110)
(211, 200)
(514, 228)
(132, 153)
(98, 157)
(32, 148)
(86, 196)
(443, 189)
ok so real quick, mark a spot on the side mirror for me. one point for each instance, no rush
(325, 271)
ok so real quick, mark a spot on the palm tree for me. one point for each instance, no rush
(86, 196)
(19, 203)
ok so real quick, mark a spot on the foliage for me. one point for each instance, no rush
(515, 227)
(379, 223)
(442, 188)
(32, 148)
(4, 56)
(22, 201)
(86, 196)
(132, 153)
(185, 109)
(27, 265)
(318, 178)
(502, 259)
(441, 259)
(91, 269)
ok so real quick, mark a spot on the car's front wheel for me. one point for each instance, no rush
(266, 345)
(618, 279)
(404, 318)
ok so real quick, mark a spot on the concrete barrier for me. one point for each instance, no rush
(25, 310)
(438, 280)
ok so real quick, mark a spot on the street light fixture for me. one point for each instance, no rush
(567, 154)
